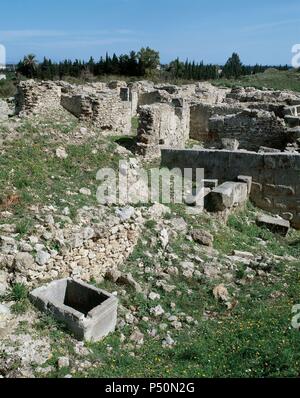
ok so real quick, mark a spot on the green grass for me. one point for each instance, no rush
(272, 79)
(18, 294)
(242, 233)
(7, 88)
(31, 171)
(254, 339)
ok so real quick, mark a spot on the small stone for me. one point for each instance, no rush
(164, 238)
(154, 296)
(128, 279)
(129, 318)
(157, 311)
(137, 337)
(63, 362)
(168, 342)
(66, 211)
(4, 310)
(125, 214)
(42, 257)
(176, 325)
(203, 237)
(85, 192)
(221, 293)
(61, 153)
(113, 275)
(24, 261)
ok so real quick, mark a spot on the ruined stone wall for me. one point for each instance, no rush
(87, 251)
(251, 94)
(276, 182)
(106, 111)
(200, 115)
(37, 97)
(252, 128)
(163, 125)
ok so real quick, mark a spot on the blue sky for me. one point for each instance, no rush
(262, 31)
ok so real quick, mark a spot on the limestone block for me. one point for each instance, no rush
(226, 196)
(88, 312)
(276, 225)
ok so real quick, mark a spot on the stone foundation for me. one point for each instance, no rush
(163, 125)
(276, 184)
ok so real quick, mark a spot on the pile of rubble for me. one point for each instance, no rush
(85, 250)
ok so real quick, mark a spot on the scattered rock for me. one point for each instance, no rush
(125, 214)
(42, 257)
(85, 192)
(164, 238)
(168, 342)
(24, 261)
(157, 211)
(203, 237)
(154, 296)
(63, 362)
(221, 293)
(113, 275)
(61, 153)
(276, 225)
(137, 337)
(157, 311)
(128, 279)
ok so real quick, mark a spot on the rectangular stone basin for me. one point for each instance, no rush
(89, 313)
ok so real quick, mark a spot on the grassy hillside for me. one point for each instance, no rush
(272, 78)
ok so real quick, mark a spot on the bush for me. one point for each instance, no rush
(7, 89)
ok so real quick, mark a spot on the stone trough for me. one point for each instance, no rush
(89, 313)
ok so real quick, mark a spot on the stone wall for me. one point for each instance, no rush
(251, 94)
(200, 115)
(252, 128)
(276, 176)
(87, 250)
(163, 125)
(37, 97)
(106, 111)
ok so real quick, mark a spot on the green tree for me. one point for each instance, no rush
(233, 67)
(149, 61)
(28, 67)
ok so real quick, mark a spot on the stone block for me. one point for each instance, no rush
(248, 180)
(230, 144)
(89, 313)
(226, 196)
(276, 225)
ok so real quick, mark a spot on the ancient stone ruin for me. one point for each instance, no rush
(88, 312)
(239, 132)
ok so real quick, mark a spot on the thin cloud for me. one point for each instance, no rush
(13, 35)
(270, 25)
(17, 34)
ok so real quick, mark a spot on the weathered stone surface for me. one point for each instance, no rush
(162, 125)
(226, 196)
(230, 144)
(37, 97)
(90, 313)
(275, 176)
(203, 237)
(276, 225)
(251, 128)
